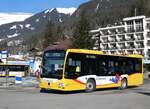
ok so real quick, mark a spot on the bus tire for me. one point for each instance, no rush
(124, 83)
(90, 85)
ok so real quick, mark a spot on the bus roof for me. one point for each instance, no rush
(86, 51)
(135, 55)
(13, 64)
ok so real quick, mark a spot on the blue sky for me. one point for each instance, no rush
(34, 6)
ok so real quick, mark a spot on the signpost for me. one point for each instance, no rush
(4, 56)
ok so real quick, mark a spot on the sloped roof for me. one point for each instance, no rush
(62, 44)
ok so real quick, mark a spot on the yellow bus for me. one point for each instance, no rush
(12, 70)
(79, 69)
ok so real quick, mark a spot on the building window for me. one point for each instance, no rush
(130, 26)
(148, 34)
(148, 25)
(139, 25)
(148, 43)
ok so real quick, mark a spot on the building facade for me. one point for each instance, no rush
(131, 37)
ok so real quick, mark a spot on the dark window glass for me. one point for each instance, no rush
(138, 66)
(100, 65)
(53, 62)
(102, 68)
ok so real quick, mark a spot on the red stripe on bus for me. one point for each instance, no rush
(79, 81)
(96, 85)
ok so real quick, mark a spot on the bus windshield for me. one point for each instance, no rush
(53, 64)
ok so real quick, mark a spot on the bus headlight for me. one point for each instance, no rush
(61, 85)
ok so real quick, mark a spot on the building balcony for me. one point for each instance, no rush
(140, 38)
(121, 45)
(95, 48)
(127, 45)
(140, 29)
(95, 38)
(119, 39)
(96, 44)
(128, 38)
(129, 51)
(103, 40)
(139, 45)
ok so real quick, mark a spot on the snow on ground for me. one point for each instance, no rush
(37, 20)
(32, 28)
(62, 10)
(44, 16)
(14, 35)
(1, 40)
(60, 20)
(48, 10)
(27, 25)
(97, 7)
(10, 43)
(66, 10)
(13, 27)
(21, 26)
(13, 17)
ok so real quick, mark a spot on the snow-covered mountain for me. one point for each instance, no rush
(24, 24)
(17, 17)
(69, 11)
(19, 32)
(13, 17)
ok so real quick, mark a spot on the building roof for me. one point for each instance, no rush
(133, 18)
(62, 44)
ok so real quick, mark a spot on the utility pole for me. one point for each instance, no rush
(135, 12)
(99, 42)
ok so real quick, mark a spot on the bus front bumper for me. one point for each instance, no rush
(61, 85)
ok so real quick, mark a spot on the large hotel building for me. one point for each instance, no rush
(131, 37)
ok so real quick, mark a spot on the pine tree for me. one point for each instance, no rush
(59, 33)
(3, 45)
(32, 42)
(81, 35)
(49, 36)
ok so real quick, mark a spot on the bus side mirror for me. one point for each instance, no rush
(77, 69)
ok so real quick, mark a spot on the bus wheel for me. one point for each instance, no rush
(124, 83)
(90, 85)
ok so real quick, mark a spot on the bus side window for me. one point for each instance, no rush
(123, 68)
(73, 69)
(138, 66)
(111, 67)
(117, 67)
(102, 68)
(130, 67)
